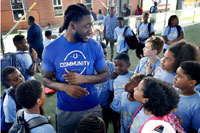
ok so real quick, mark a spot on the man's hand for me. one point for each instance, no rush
(34, 54)
(73, 78)
(76, 91)
(113, 75)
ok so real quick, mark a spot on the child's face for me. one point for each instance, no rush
(132, 83)
(138, 92)
(15, 78)
(24, 46)
(168, 62)
(43, 97)
(121, 67)
(145, 18)
(105, 53)
(182, 82)
(148, 49)
(120, 23)
(175, 22)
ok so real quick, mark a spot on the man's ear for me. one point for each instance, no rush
(72, 25)
(145, 100)
(39, 102)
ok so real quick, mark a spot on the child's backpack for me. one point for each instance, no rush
(9, 59)
(5, 126)
(132, 41)
(23, 126)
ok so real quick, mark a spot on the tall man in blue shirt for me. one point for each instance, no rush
(34, 37)
(71, 71)
(110, 23)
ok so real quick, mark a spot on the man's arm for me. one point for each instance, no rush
(72, 90)
(77, 79)
(34, 65)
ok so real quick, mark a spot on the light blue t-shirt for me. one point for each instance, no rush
(171, 33)
(164, 76)
(46, 128)
(100, 17)
(83, 58)
(144, 61)
(9, 109)
(121, 43)
(128, 109)
(104, 88)
(143, 31)
(118, 86)
(26, 63)
(138, 121)
(188, 112)
(154, 9)
(111, 24)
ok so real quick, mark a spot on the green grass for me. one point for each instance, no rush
(191, 34)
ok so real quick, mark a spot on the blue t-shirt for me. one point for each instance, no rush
(144, 61)
(128, 109)
(154, 9)
(83, 58)
(104, 88)
(118, 86)
(111, 24)
(170, 33)
(34, 35)
(26, 62)
(197, 88)
(164, 76)
(143, 31)
(100, 17)
(188, 112)
(138, 121)
(121, 43)
(46, 128)
(9, 109)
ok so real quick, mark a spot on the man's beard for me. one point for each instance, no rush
(78, 37)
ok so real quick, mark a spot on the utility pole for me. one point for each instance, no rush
(26, 8)
(166, 6)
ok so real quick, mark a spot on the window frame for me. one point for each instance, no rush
(17, 9)
(61, 5)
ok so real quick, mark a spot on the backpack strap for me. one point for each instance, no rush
(135, 116)
(149, 28)
(36, 122)
(139, 28)
(11, 92)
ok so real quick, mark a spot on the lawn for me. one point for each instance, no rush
(191, 34)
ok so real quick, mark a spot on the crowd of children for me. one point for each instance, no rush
(160, 95)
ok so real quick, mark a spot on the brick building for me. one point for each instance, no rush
(46, 11)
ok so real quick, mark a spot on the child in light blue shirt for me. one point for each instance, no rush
(173, 32)
(173, 57)
(119, 36)
(151, 61)
(188, 109)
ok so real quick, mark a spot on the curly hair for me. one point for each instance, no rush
(17, 39)
(91, 124)
(74, 13)
(28, 92)
(157, 43)
(162, 96)
(184, 51)
(192, 70)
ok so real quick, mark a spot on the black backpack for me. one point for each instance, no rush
(22, 126)
(132, 41)
(10, 59)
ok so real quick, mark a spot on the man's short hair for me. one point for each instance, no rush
(31, 19)
(123, 57)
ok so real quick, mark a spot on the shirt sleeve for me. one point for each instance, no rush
(100, 62)
(47, 63)
(164, 33)
(152, 29)
(9, 108)
(195, 119)
(115, 33)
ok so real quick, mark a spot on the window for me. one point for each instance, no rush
(88, 3)
(57, 6)
(17, 9)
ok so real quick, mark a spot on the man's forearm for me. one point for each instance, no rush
(97, 78)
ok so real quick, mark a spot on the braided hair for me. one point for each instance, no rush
(91, 124)
(74, 13)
